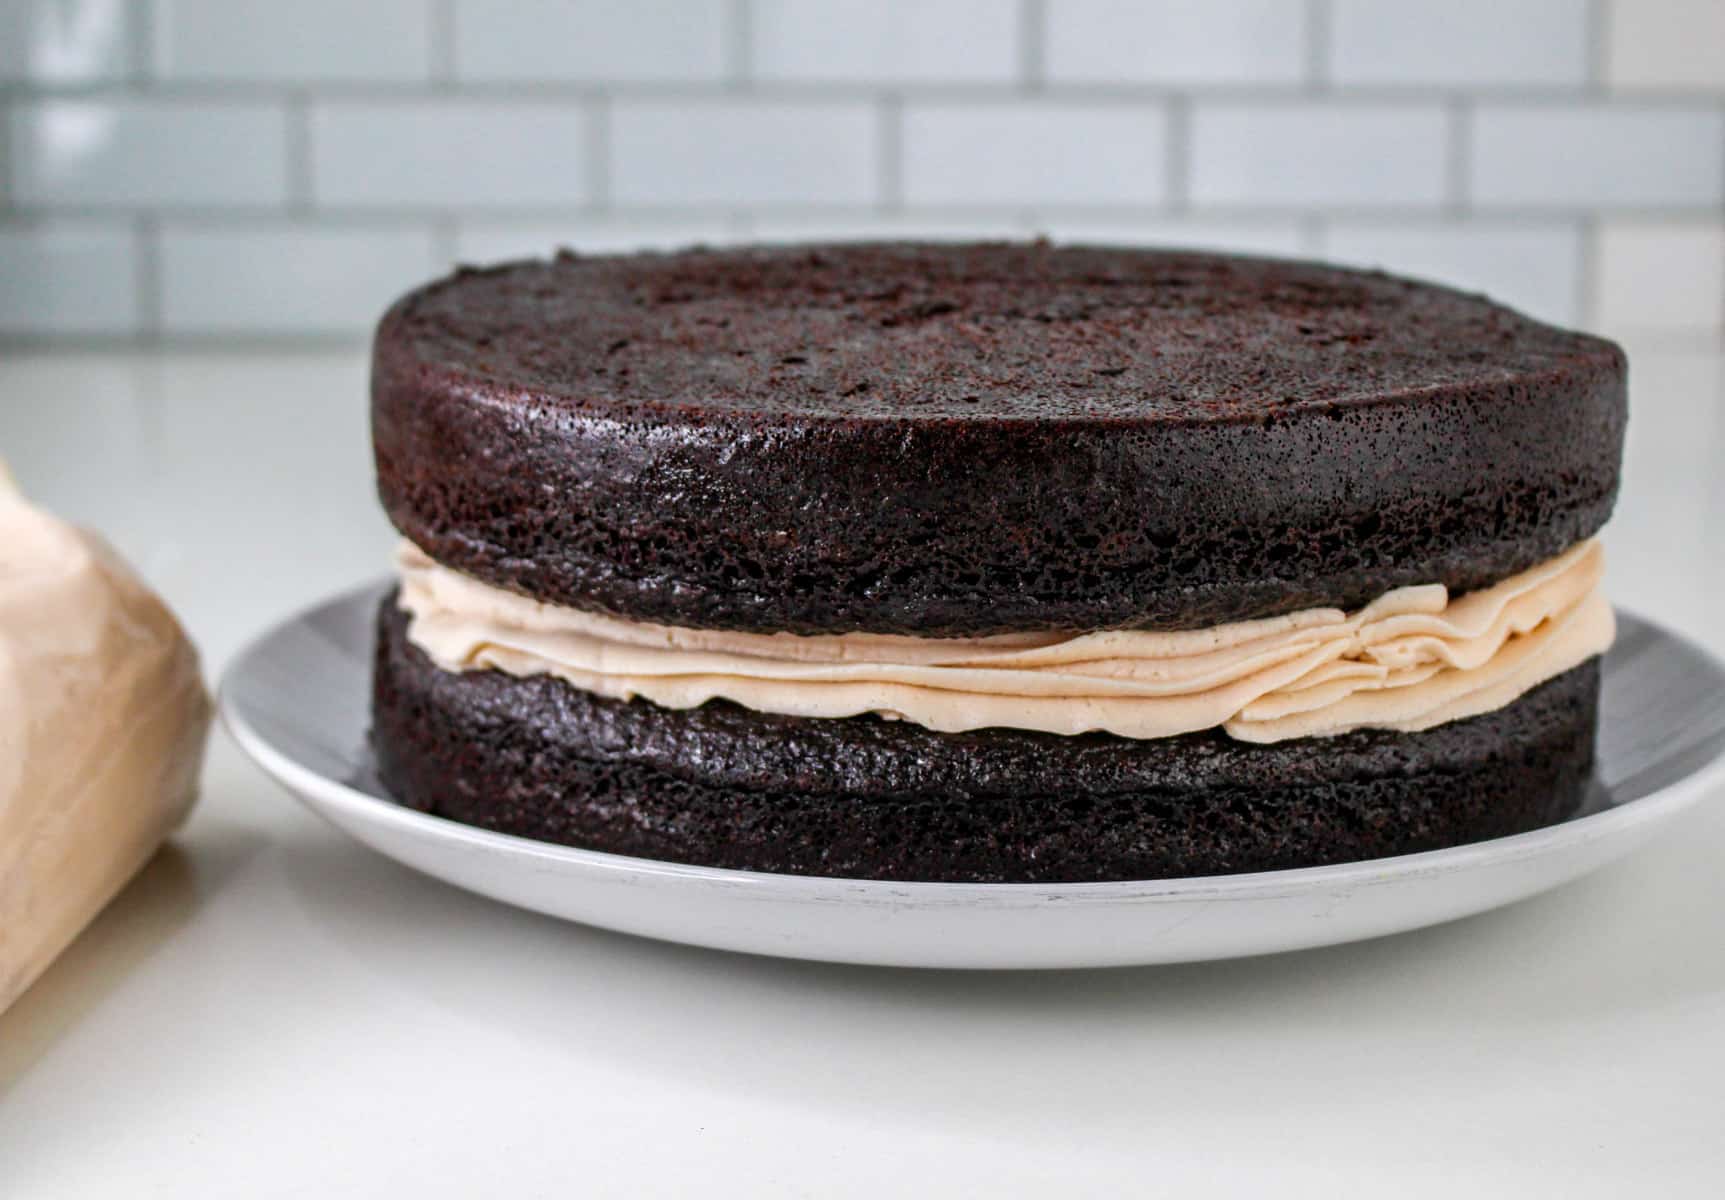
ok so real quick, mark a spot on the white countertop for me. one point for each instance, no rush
(271, 1011)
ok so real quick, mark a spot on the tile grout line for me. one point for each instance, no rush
(6, 175)
(1458, 157)
(1720, 207)
(143, 44)
(1319, 21)
(119, 343)
(889, 145)
(1598, 47)
(596, 154)
(795, 91)
(1032, 45)
(299, 154)
(443, 66)
(739, 45)
(142, 79)
(361, 216)
(1178, 158)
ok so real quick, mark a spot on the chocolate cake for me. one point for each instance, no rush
(988, 562)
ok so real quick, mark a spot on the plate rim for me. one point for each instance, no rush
(303, 782)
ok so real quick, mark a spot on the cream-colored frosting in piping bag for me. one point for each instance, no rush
(103, 716)
(1412, 659)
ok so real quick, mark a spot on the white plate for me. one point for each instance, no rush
(296, 700)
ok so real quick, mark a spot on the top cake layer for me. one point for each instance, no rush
(981, 438)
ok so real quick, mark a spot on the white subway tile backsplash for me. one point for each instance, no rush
(1169, 42)
(68, 279)
(1028, 154)
(1534, 268)
(1674, 445)
(1530, 149)
(590, 40)
(1459, 43)
(890, 41)
(490, 242)
(1664, 277)
(1283, 239)
(1595, 156)
(1663, 44)
(286, 281)
(685, 153)
(448, 153)
(136, 152)
(1281, 155)
(306, 40)
(64, 43)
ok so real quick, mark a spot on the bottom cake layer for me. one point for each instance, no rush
(866, 798)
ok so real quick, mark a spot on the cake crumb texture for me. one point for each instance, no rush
(966, 439)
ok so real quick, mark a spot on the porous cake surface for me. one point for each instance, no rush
(966, 439)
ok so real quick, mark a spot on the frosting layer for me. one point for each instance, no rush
(1410, 660)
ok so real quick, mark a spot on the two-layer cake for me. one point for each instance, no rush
(988, 562)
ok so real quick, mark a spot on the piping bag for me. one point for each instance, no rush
(103, 719)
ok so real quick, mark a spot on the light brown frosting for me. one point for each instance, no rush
(1412, 659)
(103, 716)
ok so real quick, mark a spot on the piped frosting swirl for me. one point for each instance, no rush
(1412, 659)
